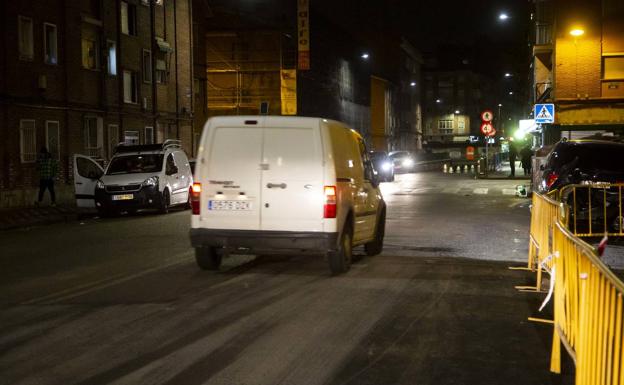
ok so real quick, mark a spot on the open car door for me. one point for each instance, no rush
(86, 174)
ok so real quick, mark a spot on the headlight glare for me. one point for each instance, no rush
(151, 181)
(386, 166)
(408, 162)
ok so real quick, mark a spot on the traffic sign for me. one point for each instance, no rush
(492, 133)
(544, 113)
(486, 128)
(487, 116)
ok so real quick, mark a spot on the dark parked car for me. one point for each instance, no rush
(383, 165)
(587, 162)
(403, 161)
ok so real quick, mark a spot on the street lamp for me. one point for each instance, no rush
(365, 56)
(510, 92)
(438, 100)
(413, 84)
(457, 112)
(503, 16)
(576, 32)
(508, 75)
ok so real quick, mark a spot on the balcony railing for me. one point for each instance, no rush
(543, 34)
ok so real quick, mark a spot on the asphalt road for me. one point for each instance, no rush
(121, 301)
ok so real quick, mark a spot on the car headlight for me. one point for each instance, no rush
(151, 181)
(386, 166)
(99, 184)
(408, 162)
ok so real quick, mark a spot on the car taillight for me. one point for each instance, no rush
(329, 209)
(195, 197)
(552, 177)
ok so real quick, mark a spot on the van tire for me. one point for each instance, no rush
(375, 247)
(208, 258)
(164, 202)
(340, 260)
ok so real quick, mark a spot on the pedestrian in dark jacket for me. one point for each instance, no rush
(47, 168)
(513, 154)
(525, 158)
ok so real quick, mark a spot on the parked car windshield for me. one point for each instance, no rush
(135, 164)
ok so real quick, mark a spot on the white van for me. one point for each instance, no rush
(137, 177)
(269, 184)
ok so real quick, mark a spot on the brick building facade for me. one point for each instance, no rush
(80, 77)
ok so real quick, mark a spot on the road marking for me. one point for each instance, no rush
(509, 191)
(480, 191)
(79, 290)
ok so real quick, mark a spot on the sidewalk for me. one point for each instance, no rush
(31, 216)
(505, 171)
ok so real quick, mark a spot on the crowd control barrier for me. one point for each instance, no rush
(586, 295)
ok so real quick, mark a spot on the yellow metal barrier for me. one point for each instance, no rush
(594, 209)
(544, 213)
(587, 311)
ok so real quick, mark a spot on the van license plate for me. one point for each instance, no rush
(123, 197)
(229, 205)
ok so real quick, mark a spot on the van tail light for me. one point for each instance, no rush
(552, 178)
(329, 209)
(195, 197)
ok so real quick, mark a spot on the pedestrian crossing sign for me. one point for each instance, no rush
(544, 113)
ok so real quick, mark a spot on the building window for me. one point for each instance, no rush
(90, 53)
(93, 136)
(130, 87)
(147, 66)
(131, 137)
(161, 71)
(111, 48)
(50, 47)
(113, 139)
(128, 19)
(25, 38)
(149, 135)
(53, 143)
(445, 125)
(613, 67)
(28, 141)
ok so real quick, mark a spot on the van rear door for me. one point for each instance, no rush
(292, 182)
(232, 175)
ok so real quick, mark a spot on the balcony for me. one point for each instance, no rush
(543, 39)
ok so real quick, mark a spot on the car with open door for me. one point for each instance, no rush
(155, 176)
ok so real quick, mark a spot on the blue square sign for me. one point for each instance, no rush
(544, 113)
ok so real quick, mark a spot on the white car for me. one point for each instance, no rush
(266, 184)
(137, 177)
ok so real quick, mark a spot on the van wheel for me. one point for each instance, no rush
(340, 260)
(164, 202)
(208, 258)
(376, 246)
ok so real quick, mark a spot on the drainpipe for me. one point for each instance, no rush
(177, 86)
(154, 50)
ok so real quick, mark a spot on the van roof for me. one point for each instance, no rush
(270, 120)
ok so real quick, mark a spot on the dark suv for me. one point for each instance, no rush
(595, 205)
(577, 161)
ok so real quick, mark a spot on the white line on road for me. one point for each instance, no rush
(79, 290)
(480, 191)
(509, 191)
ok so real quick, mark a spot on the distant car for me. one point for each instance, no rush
(137, 177)
(403, 161)
(586, 162)
(383, 165)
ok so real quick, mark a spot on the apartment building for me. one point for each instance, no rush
(79, 77)
(453, 101)
(578, 64)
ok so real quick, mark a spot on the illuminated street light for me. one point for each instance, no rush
(500, 105)
(438, 100)
(577, 32)
(457, 112)
(507, 75)
(413, 84)
(365, 56)
(503, 16)
(510, 92)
